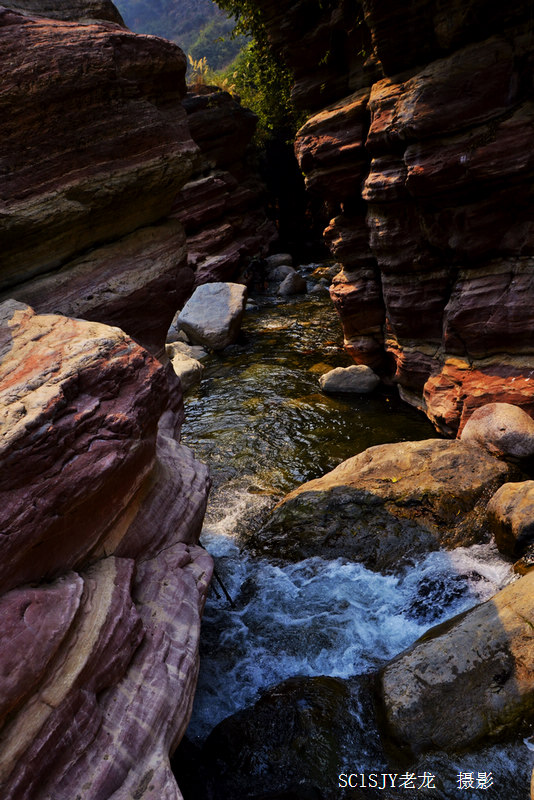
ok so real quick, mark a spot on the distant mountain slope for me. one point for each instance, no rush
(198, 26)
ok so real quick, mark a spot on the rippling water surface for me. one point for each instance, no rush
(262, 424)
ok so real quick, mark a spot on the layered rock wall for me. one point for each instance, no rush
(421, 135)
(102, 582)
(223, 207)
(95, 147)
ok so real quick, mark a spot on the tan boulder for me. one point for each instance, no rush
(469, 679)
(511, 516)
(388, 504)
(504, 429)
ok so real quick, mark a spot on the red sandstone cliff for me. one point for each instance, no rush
(422, 135)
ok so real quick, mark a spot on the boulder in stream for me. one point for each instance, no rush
(511, 517)
(212, 316)
(388, 504)
(505, 430)
(279, 260)
(356, 379)
(293, 283)
(469, 679)
(288, 745)
(189, 370)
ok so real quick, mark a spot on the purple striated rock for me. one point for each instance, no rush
(98, 668)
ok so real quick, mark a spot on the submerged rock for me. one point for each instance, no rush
(511, 517)
(388, 505)
(358, 379)
(213, 314)
(502, 428)
(465, 680)
(289, 744)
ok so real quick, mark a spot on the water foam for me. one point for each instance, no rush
(318, 617)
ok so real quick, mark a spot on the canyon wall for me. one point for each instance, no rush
(222, 207)
(420, 139)
(102, 581)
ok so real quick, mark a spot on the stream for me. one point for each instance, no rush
(262, 424)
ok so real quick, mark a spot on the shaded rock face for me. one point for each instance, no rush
(102, 582)
(388, 504)
(479, 664)
(95, 147)
(288, 745)
(73, 11)
(223, 207)
(424, 153)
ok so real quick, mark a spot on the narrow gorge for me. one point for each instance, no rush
(364, 563)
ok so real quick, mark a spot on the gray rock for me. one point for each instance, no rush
(278, 260)
(388, 504)
(292, 284)
(212, 316)
(511, 517)
(189, 370)
(319, 288)
(504, 429)
(279, 273)
(469, 679)
(358, 379)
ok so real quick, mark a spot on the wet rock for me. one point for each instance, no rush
(357, 379)
(503, 429)
(189, 370)
(213, 314)
(292, 284)
(289, 744)
(388, 505)
(480, 665)
(511, 517)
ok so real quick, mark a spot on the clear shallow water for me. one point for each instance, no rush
(264, 427)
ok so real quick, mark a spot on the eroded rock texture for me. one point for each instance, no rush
(422, 137)
(102, 582)
(95, 146)
(223, 207)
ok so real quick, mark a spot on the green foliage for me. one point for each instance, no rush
(216, 43)
(258, 76)
(263, 85)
